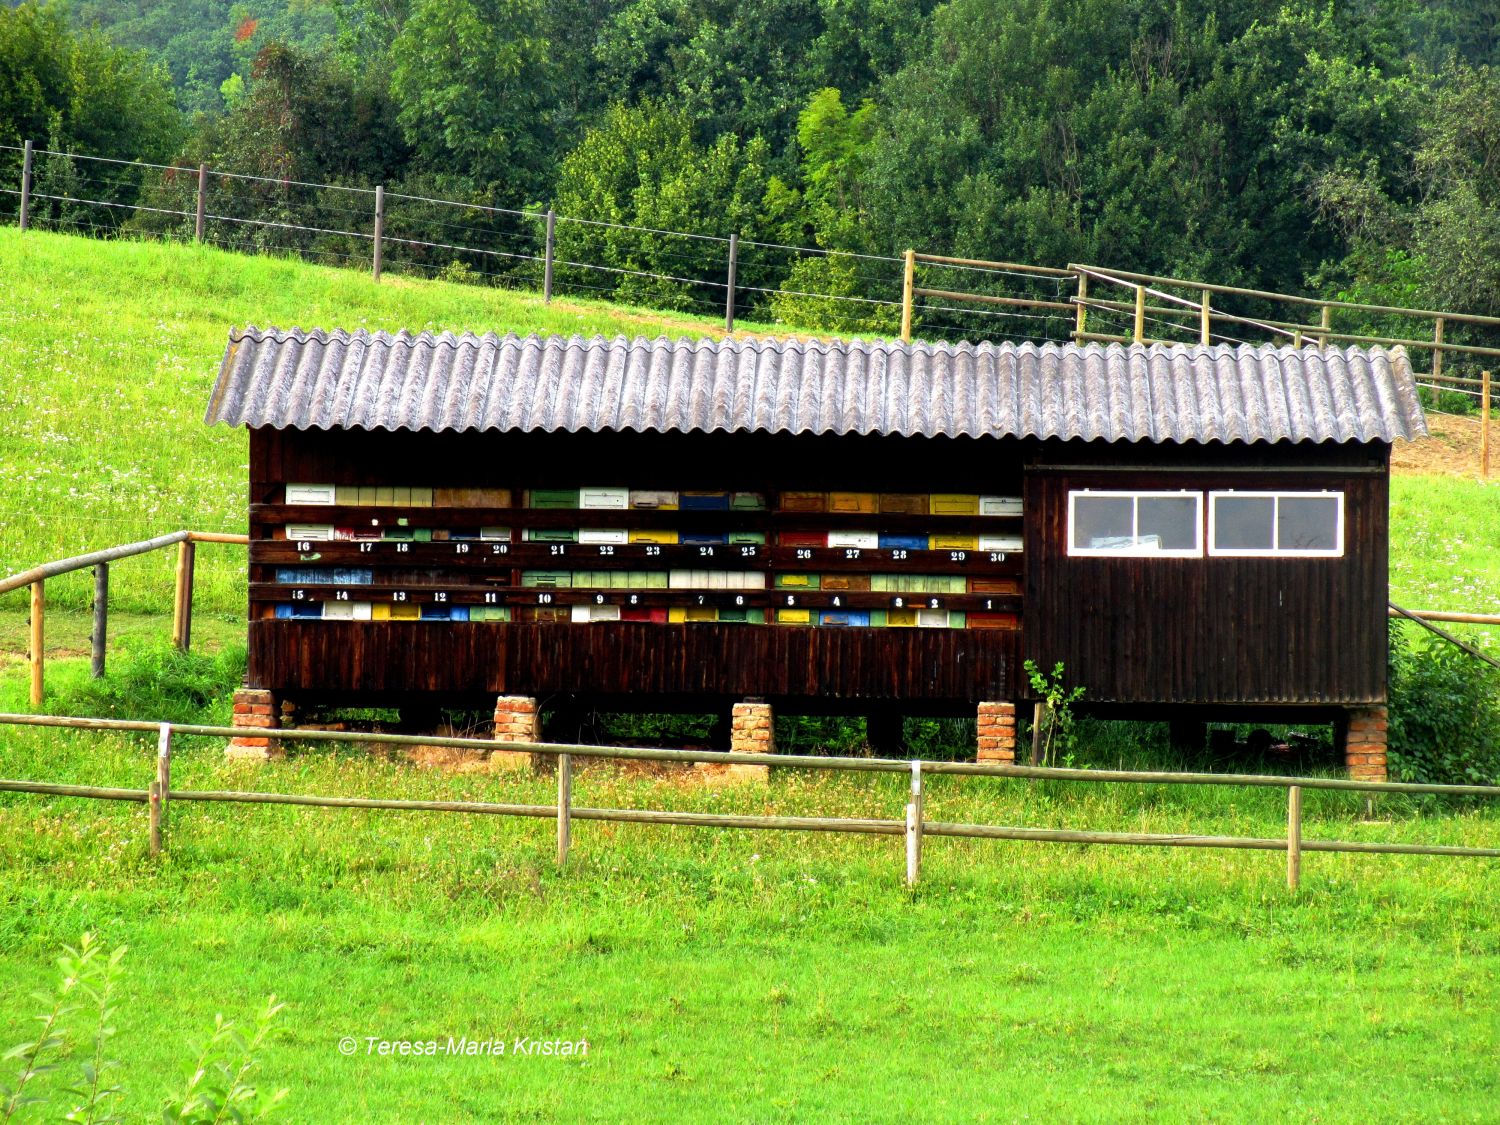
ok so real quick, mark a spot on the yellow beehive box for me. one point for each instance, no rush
(646, 535)
(794, 617)
(797, 581)
(954, 543)
(954, 503)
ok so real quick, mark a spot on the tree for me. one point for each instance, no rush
(75, 92)
(640, 166)
(470, 80)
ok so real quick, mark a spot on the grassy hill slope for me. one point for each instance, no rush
(108, 351)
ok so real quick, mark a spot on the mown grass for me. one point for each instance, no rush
(108, 351)
(768, 976)
(1445, 543)
(717, 975)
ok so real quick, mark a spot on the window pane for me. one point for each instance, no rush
(1308, 523)
(1243, 523)
(1168, 523)
(1102, 523)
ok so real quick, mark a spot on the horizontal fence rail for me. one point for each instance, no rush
(182, 601)
(159, 794)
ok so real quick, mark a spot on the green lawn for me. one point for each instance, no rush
(717, 975)
(770, 976)
(108, 351)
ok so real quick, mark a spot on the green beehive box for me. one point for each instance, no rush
(552, 498)
(747, 537)
(801, 581)
(547, 579)
(551, 535)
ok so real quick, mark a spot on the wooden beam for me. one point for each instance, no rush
(908, 281)
(38, 639)
(98, 637)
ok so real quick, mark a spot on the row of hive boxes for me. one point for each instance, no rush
(619, 536)
(691, 580)
(755, 580)
(621, 499)
(584, 614)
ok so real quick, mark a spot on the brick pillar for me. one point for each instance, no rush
(997, 733)
(751, 731)
(517, 719)
(254, 709)
(1364, 744)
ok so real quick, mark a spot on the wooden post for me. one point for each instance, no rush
(564, 807)
(202, 203)
(26, 186)
(908, 281)
(375, 261)
(1205, 318)
(1293, 836)
(101, 619)
(1297, 339)
(1038, 712)
(551, 253)
(1325, 319)
(1484, 426)
(38, 637)
(1140, 314)
(914, 827)
(153, 804)
(182, 608)
(1081, 324)
(1437, 360)
(734, 260)
(163, 782)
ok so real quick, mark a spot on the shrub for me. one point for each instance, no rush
(156, 681)
(1444, 713)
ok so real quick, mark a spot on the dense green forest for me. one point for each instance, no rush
(1344, 146)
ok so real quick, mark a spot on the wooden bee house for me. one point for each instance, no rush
(857, 527)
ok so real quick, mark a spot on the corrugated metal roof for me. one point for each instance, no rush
(1134, 393)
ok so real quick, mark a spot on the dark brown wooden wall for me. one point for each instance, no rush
(627, 660)
(947, 670)
(1212, 630)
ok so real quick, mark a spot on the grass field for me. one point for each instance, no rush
(716, 975)
(768, 977)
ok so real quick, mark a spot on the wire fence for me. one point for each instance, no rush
(699, 273)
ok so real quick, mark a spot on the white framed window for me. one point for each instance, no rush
(1154, 524)
(1299, 524)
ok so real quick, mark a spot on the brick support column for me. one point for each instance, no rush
(1364, 745)
(517, 719)
(997, 733)
(255, 710)
(751, 731)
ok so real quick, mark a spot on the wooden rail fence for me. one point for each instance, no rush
(159, 795)
(182, 602)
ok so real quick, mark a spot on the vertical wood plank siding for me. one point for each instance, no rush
(1212, 630)
(634, 658)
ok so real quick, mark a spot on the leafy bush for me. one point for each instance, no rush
(156, 681)
(63, 1072)
(1444, 713)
